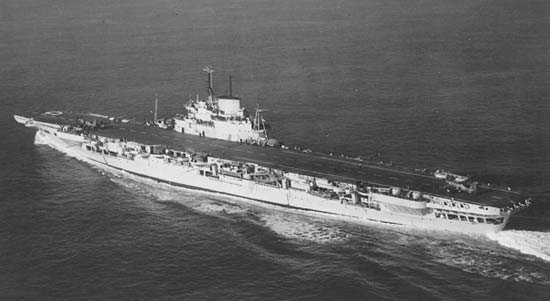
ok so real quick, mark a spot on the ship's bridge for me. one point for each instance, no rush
(199, 110)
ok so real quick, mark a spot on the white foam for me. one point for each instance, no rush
(297, 227)
(38, 139)
(212, 207)
(527, 242)
(488, 262)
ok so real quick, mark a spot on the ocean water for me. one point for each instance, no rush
(461, 85)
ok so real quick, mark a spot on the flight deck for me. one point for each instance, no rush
(309, 163)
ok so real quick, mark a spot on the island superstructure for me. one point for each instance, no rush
(341, 187)
(221, 117)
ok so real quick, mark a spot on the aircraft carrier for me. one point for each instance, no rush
(218, 147)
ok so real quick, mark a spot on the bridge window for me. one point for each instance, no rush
(439, 215)
(463, 218)
(452, 216)
(471, 219)
(480, 220)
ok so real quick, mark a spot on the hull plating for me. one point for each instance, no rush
(292, 198)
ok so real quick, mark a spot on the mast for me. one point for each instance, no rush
(155, 114)
(230, 86)
(209, 70)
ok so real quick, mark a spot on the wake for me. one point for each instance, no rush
(527, 242)
(302, 229)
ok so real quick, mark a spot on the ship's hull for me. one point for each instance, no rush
(285, 197)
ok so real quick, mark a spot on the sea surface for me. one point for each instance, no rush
(461, 85)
